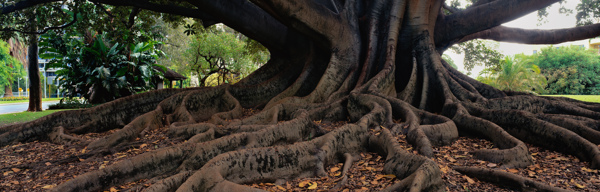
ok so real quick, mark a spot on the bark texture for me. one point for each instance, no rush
(375, 63)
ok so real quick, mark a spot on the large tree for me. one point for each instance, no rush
(375, 64)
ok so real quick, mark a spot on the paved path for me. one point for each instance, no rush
(20, 107)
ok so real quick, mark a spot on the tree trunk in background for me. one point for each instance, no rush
(35, 87)
(8, 91)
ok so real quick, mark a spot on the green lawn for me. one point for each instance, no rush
(26, 101)
(588, 98)
(11, 118)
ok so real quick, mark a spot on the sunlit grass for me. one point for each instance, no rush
(11, 118)
(588, 98)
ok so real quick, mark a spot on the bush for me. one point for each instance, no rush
(13, 98)
(71, 103)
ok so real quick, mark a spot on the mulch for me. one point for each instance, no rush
(39, 166)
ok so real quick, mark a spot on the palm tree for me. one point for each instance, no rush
(516, 74)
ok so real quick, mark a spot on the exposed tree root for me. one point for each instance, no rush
(507, 179)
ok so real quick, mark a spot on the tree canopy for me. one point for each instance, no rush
(344, 77)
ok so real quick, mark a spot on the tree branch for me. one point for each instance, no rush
(536, 36)
(248, 19)
(306, 15)
(108, 12)
(482, 17)
(23, 5)
(240, 15)
(45, 29)
(134, 12)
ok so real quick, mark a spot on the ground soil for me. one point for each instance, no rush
(38, 166)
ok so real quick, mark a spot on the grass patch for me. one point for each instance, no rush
(588, 98)
(21, 117)
(27, 100)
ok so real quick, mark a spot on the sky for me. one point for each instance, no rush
(555, 20)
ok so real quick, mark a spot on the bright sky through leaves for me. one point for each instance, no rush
(555, 20)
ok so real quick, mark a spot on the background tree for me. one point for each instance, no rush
(570, 70)
(10, 69)
(374, 65)
(516, 74)
(215, 51)
(28, 22)
(479, 53)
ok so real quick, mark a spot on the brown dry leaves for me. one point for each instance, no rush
(364, 175)
(33, 166)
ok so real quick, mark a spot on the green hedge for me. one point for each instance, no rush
(13, 98)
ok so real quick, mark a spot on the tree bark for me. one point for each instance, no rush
(35, 87)
(8, 91)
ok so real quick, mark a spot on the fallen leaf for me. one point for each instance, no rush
(374, 182)
(16, 170)
(83, 150)
(492, 165)
(579, 185)
(143, 145)
(280, 188)
(513, 170)
(48, 187)
(471, 181)
(15, 182)
(48, 163)
(313, 186)
(589, 170)
(112, 189)
(303, 183)
(334, 169)
(451, 159)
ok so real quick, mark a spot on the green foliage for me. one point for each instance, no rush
(515, 74)
(70, 103)
(479, 53)
(100, 71)
(10, 68)
(588, 12)
(570, 70)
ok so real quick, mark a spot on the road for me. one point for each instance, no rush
(20, 107)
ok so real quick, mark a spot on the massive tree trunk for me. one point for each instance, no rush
(374, 63)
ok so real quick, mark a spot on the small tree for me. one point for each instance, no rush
(218, 52)
(516, 74)
(10, 69)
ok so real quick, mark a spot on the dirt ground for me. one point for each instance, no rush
(38, 166)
